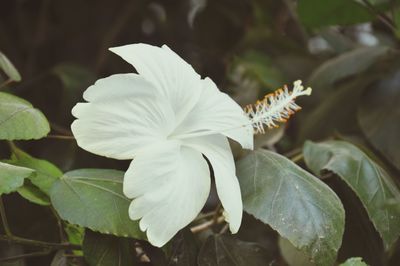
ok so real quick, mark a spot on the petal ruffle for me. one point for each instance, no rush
(216, 112)
(217, 150)
(120, 126)
(170, 184)
(170, 74)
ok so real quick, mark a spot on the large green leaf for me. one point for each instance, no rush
(293, 202)
(317, 13)
(12, 177)
(9, 68)
(367, 179)
(379, 117)
(221, 250)
(19, 120)
(93, 198)
(106, 250)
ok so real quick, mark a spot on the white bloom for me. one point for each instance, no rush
(165, 118)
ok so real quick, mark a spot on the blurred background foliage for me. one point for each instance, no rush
(346, 50)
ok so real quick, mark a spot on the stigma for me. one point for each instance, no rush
(275, 107)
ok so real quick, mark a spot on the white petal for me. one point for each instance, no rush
(216, 112)
(172, 76)
(170, 184)
(217, 150)
(120, 127)
(119, 86)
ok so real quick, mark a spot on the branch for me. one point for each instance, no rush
(63, 237)
(28, 255)
(382, 17)
(202, 216)
(204, 226)
(63, 137)
(60, 129)
(36, 243)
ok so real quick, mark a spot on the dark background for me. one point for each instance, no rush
(248, 47)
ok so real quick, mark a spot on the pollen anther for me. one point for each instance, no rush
(275, 107)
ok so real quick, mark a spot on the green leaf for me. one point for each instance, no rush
(75, 235)
(183, 249)
(317, 13)
(12, 177)
(19, 120)
(102, 205)
(33, 194)
(37, 190)
(46, 173)
(106, 250)
(222, 250)
(293, 202)
(367, 179)
(344, 65)
(9, 68)
(379, 116)
(354, 262)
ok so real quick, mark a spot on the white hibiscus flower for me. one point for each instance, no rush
(166, 118)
